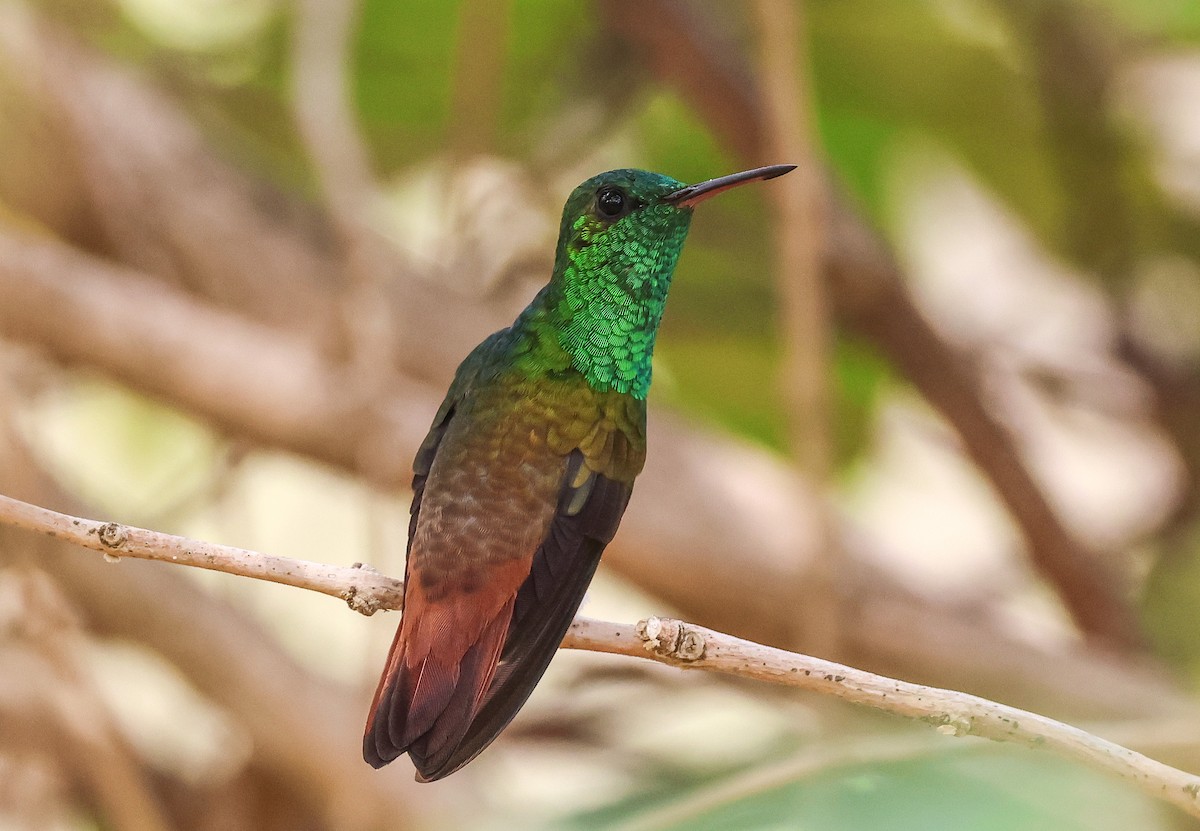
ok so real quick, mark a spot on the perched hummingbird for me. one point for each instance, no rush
(526, 471)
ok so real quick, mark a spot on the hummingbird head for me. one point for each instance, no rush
(648, 211)
(620, 237)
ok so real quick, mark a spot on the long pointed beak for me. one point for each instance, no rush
(693, 195)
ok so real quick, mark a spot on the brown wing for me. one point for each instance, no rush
(504, 539)
(584, 523)
(479, 512)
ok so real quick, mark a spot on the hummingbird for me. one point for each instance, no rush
(526, 472)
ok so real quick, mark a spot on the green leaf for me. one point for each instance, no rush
(881, 68)
(1169, 602)
(402, 66)
(990, 789)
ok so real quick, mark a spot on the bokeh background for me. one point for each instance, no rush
(929, 406)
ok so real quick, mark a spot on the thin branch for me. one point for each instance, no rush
(953, 713)
(799, 232)
(683, 645)
(804, 305)
(364, 589)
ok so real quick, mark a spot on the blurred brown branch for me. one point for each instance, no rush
(799, 233)
(1119, 210)
(252, 379)
(297, 328)
(675, 643)
(804, 319)
(49, 700)
(260, 368)
(478, 76)
(327, 123)
(296, 721)
(870, 295)
(324, 113)
(1074, 58)
(262, 383)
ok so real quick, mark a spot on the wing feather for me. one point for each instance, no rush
(469, 652)
(546, 603)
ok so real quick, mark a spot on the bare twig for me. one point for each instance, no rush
(685, 645)
(953, 713)
(364, 589)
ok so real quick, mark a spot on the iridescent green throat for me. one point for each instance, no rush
(601, 311)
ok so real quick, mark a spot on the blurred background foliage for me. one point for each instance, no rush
(1034, 165)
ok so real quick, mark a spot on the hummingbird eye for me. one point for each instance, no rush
(611, 201)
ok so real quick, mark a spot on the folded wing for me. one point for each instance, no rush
(475, 639)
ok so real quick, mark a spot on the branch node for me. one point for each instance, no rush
(112, 535)
(364, 604)
(671, 639)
